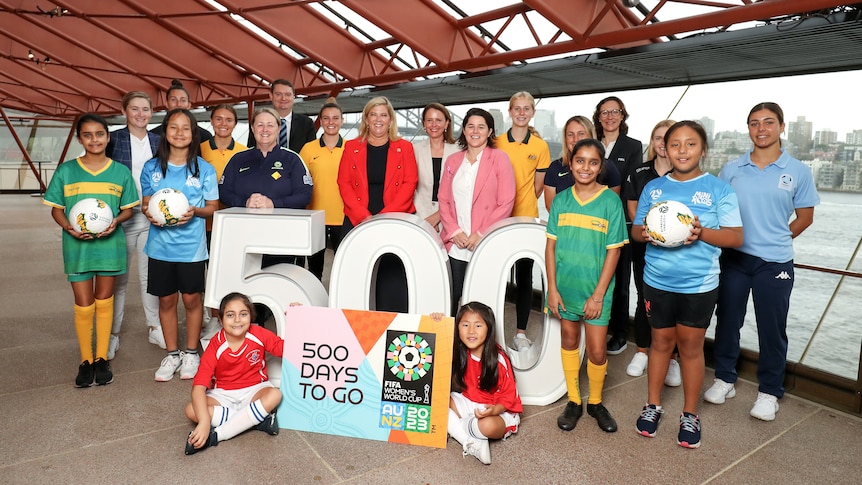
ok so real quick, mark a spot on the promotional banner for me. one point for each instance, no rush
(373, 375)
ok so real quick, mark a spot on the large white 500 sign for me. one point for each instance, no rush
(241, 236)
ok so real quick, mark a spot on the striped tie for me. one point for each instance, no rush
(282, 134)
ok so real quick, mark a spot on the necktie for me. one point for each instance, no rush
(282, 134)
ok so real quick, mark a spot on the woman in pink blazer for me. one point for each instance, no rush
(477, 189)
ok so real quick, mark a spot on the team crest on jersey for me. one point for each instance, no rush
(277, 166)
(254, 357)
(655, 194)
(702, 198)
(785, 182)
(157, 177)
(193, 182)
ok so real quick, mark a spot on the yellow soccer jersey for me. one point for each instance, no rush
(323, 163)
(528, 157)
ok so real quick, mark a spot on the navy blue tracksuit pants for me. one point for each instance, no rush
(770, 285)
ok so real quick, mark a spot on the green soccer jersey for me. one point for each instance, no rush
(584, 231)
(114, 185)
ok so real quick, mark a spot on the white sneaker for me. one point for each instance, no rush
(719, 391)
(637, 365)
(674, 375)
(765, 407)
(480, 449)
(157, 337)
(168, 368)
(189, 366)
(113, 345)
(521, 342)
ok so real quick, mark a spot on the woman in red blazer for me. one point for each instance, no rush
(477, 189)
(378, 174)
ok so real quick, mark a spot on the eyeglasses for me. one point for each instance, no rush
(610, 112)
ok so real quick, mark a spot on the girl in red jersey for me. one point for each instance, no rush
(484, 403)
(230, 396)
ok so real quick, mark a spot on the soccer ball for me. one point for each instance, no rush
(91, 216)
(167, 206)
(668, 223)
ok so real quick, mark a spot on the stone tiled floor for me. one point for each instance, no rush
(132, 431)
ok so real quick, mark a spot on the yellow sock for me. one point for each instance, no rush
(104, 321)
(84, 329)
(571, 368)
(596, 375)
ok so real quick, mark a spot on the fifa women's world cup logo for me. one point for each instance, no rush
(406, 400)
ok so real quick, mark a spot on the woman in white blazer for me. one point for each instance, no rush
(430, 155)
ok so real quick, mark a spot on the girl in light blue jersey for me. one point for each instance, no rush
(177, 254)
(681, 284)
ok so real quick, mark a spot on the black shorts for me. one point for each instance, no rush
(166, 278)
(666, 309)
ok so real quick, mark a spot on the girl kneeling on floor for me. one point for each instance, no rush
(484, 403)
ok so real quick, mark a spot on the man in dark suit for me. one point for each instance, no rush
(298, 129)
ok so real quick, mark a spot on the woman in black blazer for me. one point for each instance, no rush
(625, 152)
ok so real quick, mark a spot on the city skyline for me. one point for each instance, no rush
(708, 100)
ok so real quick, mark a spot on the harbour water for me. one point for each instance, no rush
(829, 242)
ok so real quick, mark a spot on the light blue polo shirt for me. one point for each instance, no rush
(692, 268)
(185, 243)
(767, 200)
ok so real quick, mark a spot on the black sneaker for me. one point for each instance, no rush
(689, 431)
(269, 425)
(211, 441)
(603, 416)
(85, 375)
(647, 424)
(617, 345)
(102, 372)
(570, 416)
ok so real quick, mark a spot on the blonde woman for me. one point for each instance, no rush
(530, 157)
(377, 175)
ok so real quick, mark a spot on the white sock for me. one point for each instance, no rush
(456, 428)
(220, 416)
(241, 421)
(472, 425)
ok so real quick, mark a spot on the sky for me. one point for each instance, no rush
(823, 99)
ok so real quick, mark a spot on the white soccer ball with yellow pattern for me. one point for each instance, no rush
(668, 223)
(91, 216)
(167, 206)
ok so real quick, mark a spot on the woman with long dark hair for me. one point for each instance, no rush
(178, 253)
(777, 196)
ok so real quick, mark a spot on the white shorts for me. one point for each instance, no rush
(236, 399)
(466, 407)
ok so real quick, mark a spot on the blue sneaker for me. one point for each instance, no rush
(647, 424)
(689, 431)
(269, 425)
